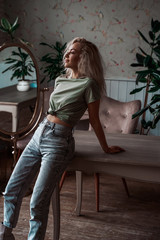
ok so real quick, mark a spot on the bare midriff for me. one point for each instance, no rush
(55, 119)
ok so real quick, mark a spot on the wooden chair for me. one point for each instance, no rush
(43, 107)
(116, 117)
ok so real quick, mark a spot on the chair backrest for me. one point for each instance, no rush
(116, 116)
(43, 105)
(45, 100)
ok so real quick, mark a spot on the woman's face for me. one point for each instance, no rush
(72, 56)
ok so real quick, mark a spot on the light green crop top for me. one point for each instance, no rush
(70, 98)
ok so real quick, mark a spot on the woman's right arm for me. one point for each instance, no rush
(93, 110)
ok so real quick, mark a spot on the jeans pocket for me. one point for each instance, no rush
(59, 133)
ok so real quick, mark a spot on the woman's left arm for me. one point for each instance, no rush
(93, 110)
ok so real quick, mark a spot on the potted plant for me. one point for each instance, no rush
(20, 62)
(21, 65)
(9, 28)
(149, 76)
(53, 61)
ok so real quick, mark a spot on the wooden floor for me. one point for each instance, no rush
(120, 217)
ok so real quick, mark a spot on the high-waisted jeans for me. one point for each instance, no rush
(48, 154)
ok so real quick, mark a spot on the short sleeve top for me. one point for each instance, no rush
(71, 97)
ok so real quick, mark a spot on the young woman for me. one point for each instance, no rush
(52, 146)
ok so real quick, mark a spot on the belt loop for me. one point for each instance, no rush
(52, 125)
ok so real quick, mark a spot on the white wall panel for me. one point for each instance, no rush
(120, 89)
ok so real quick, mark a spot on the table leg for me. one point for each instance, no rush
(79, 183)
(56, 212)
(14, 119)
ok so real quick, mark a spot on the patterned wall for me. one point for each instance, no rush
(2, 37)
(111, 24)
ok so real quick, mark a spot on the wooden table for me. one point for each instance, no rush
(12, 100)
(140, 161)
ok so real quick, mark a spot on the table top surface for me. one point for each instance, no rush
(139, 149)
(10, 95)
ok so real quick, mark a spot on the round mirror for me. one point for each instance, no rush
(19, 88)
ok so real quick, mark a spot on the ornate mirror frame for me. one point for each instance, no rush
(14, 136)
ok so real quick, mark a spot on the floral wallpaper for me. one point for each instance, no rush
(111, 24)
(2, 38)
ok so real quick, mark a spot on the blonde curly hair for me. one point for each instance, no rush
(90, 63)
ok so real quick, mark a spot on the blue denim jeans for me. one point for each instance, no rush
(48, 154)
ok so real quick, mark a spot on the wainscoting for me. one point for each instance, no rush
(120, 89)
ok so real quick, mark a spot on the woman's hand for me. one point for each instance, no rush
(114, 149)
